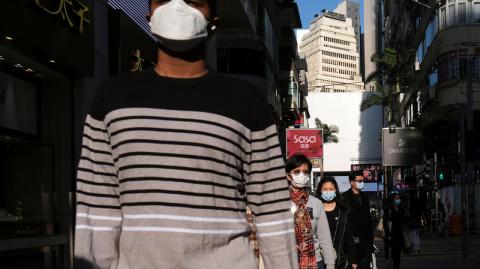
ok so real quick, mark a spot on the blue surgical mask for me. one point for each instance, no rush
(328, 196)
(360, 185)
(397, 202)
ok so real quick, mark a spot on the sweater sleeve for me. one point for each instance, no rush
(325, 239)
(267, 194)
(98, 217)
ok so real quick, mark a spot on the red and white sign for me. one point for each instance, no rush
(308, 142)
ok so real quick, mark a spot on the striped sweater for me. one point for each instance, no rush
(167, 169)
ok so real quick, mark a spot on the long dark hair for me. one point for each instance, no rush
(338, 198)
(322, 182)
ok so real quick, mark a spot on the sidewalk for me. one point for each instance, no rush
(437, 253)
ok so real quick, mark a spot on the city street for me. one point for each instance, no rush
(438, 253)
(215, 134)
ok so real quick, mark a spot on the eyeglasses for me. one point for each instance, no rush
(359, 181)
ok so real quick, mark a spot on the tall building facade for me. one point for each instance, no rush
(372, 38)
(351, 9)
(440, 96)
(330, 49)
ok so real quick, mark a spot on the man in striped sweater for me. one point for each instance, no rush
(171, 158)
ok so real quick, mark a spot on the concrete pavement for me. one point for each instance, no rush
(437, 253)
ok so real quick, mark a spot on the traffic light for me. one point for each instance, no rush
(427, 169)
(442, 175)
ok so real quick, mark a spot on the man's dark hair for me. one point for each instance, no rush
(354, 174)
(296, 161)
(211, 3)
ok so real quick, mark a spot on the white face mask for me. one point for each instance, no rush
(178, 26)
(301, 180)
(360, 185)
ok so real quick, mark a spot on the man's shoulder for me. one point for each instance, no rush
(348, 193)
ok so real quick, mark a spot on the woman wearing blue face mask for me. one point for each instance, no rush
(337, 215)
(396, 220)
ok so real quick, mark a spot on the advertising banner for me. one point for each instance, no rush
(371, 172)
(402, 146)
(308, 142)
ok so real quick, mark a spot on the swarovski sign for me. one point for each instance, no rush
(402, 146)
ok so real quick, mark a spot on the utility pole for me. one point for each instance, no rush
(468, 137)
(436, 183)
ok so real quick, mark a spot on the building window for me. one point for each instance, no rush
(452, 65)
(476, 68)
(443, 18)
(476, 12)
(433, 78)
(463, 63)
(442, 68)
(429, 36)
(462, 13)
(451, 15)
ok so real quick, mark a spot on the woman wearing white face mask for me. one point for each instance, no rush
(314, 243)
(338, 220)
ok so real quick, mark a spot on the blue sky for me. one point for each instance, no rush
(310, 7)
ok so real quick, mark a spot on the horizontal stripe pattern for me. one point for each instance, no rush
(153, 171)
(181, 230)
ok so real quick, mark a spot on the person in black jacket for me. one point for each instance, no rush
(340, 227)
(396, 221)
(360, 219)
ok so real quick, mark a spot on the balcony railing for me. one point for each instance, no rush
(450, 13)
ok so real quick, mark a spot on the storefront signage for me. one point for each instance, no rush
(308, 142)
(68, 9)
(402, 146)
(47, 39)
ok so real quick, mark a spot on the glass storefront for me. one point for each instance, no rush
(26, 168)
(32, 233)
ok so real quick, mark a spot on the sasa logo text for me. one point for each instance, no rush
(304, 139)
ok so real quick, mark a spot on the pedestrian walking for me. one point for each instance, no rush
(360, 219)
(314, 242)
(339, 223)
(171, 157)
(415, 224)
(396, 222)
